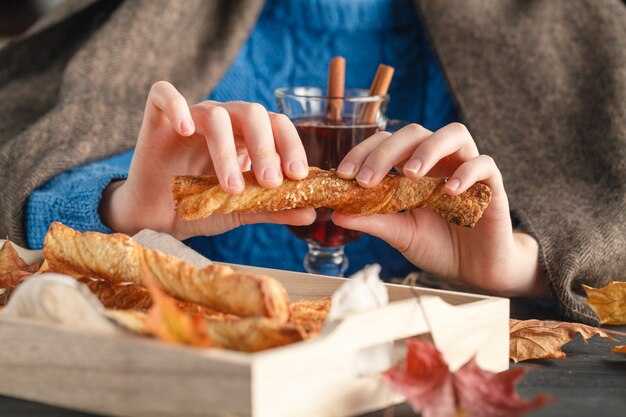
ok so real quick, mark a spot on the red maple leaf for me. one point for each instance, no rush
(430, 388)
(489, 394)
(424, 379)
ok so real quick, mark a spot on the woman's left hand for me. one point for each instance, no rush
(491, 256)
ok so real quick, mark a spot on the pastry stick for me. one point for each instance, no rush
(118, 257)
(309, 315)
(252, 334)
(197, 197)
(120, 295)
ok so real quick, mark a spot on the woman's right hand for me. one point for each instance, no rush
(214, 138)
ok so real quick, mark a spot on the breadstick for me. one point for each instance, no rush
(197, 197)
(252, 334)
(117, 257)
(130, 296)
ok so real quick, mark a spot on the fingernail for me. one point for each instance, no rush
(413, 165)
(298, 168)
(235, 182)
(346, 169)
(186, 127)
(272, 174)
(365, 175)
(453, 184)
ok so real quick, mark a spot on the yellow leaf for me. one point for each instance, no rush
(537, 339)
(619, 349)
(609, 303)
(13, 270)
(10, 260)
(169, 323)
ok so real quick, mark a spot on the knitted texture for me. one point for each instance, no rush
(72, 198)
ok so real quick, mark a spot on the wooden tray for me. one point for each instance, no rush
(127, 375)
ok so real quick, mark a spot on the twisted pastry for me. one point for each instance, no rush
(197, 197)
(252, 334)
(118, 257)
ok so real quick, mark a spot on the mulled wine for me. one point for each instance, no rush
(326, 145)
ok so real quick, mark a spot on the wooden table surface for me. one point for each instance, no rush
(591, 381)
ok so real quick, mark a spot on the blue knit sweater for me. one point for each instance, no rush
(291, 44)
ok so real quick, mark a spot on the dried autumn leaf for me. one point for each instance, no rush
(13, 270)
(12, 279)
(619, 349)
(488, 394)
(424, 379)
(11, 261)
(609, 303)
(537, 339)
(171, 324)
(430, 388)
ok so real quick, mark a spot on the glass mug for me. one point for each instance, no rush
(326, 143)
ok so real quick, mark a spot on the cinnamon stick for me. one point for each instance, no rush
(336, 89)
(379, 87)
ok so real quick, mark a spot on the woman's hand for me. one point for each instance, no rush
(490, 256)
(208, 138)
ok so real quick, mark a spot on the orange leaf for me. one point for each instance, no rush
(537, 339)
(169, 323)
(609, 303)
(10, 260)
(13, 270)
(12, 279)
(619, 349)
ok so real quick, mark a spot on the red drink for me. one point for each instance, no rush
(326, 145)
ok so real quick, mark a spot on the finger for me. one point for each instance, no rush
(252, 122)
(214, 124)
(220, 223)
(289, 146)
(398, 147)
(482, 168)
(395, 229)
(165, 99)
(294, 217)
(451, 140)
(351, 163)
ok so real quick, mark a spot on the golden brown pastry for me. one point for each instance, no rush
(120, 295)
(118, 257)
(200, 196)
(252, 334)
(309, 315)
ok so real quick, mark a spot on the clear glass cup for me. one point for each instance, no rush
(326, 143)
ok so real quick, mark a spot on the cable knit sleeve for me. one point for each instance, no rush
(72, 198)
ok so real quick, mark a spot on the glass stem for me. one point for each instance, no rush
(326, 261)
